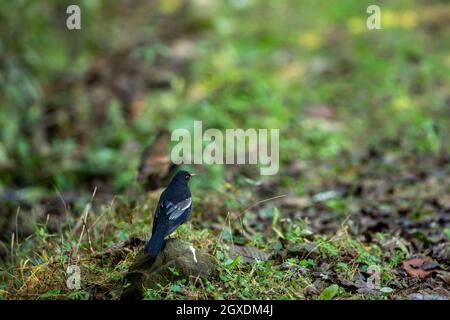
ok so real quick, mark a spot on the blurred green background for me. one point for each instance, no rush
(78, 107)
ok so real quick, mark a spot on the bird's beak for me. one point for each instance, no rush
(193, 174)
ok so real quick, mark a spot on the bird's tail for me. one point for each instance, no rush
(156, 242)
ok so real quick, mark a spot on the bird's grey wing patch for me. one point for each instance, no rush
(174, 211)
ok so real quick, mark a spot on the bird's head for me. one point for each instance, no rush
(182, 176)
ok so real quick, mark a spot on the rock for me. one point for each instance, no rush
(149, 271)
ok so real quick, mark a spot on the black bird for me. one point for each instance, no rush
(174, 208)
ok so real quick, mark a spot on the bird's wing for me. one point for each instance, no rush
(175, 210)
(155, 217)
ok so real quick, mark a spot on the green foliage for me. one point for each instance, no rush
(329, 292)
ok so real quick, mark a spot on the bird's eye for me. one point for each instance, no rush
(187, 177)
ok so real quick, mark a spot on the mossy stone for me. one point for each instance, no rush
(148, 271)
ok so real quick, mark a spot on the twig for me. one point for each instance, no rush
(17, 225)
(88, 233)
(84, 222)
(262, 201)
(62, 199)
(240, 213)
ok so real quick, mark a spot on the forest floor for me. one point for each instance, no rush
(360, 208)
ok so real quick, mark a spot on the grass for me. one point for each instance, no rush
(43, 274)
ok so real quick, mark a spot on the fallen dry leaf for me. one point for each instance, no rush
(420, 267)
(304, 250)
(248, 254)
